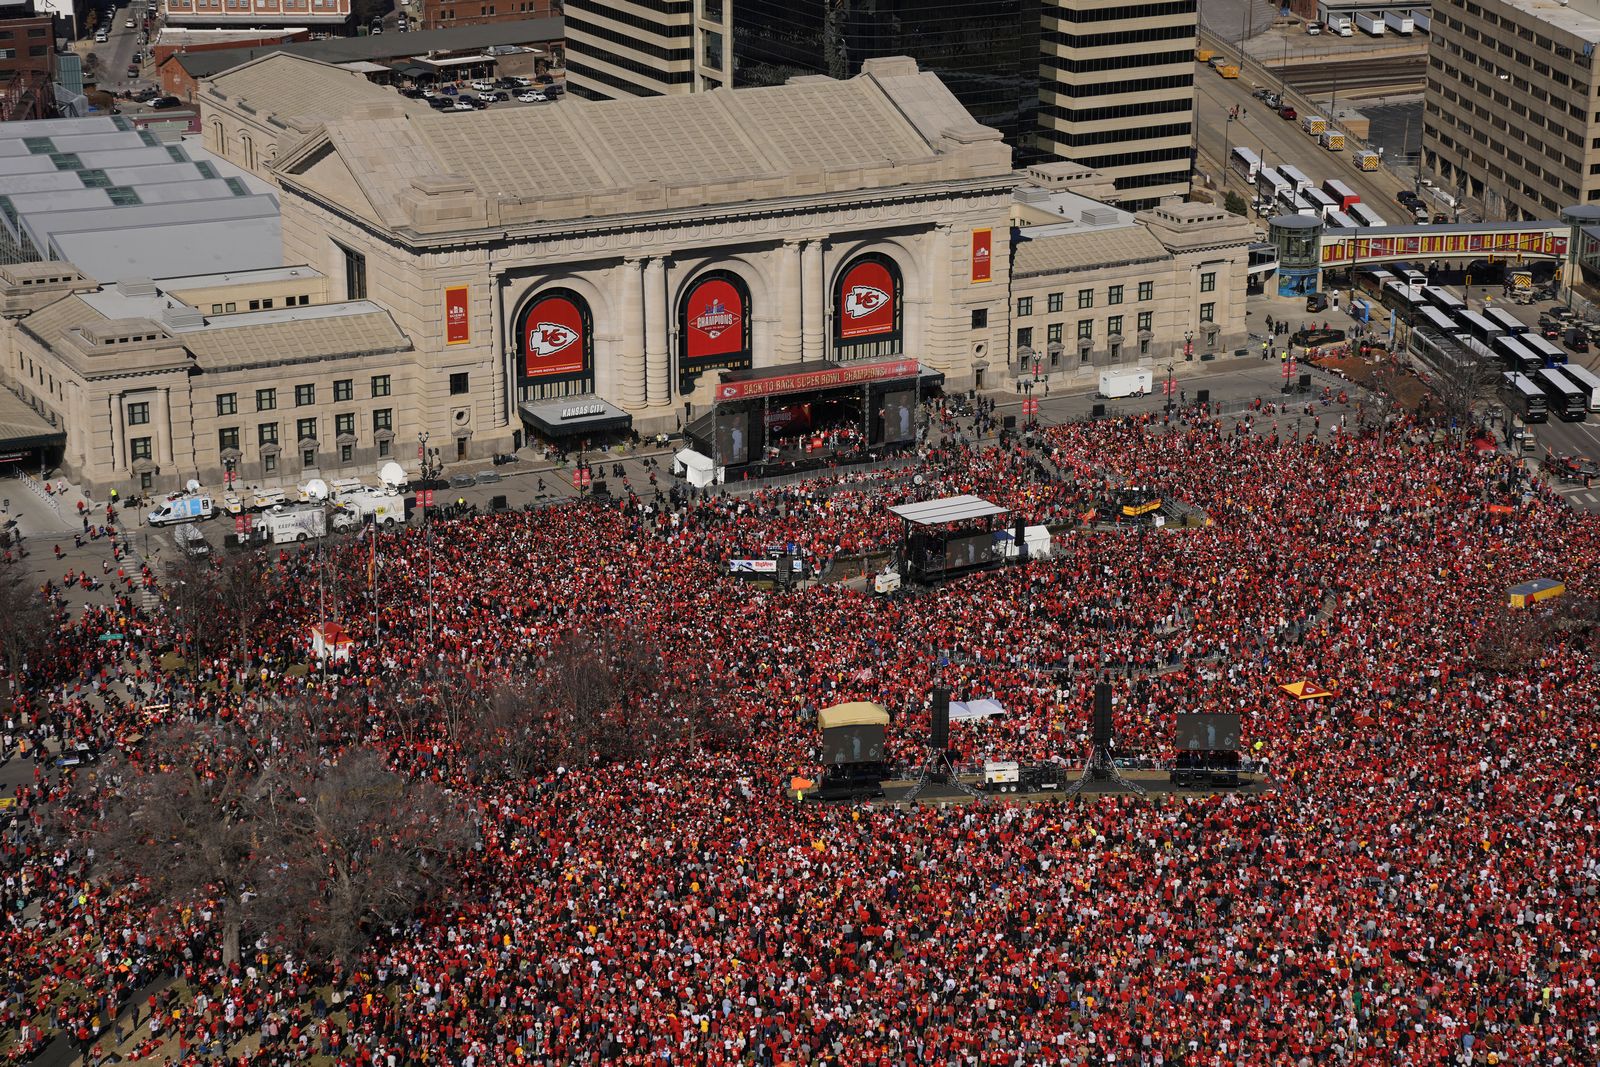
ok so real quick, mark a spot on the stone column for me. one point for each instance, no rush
(657, 359)
(814, 336)
(791, 325)
(117, 446)
(933, 333)
(631, 367)
(163, 420)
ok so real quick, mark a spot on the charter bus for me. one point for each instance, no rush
(1271, 184)
(1515, 355)
(1436, 320)
(1505, 320)
(1324, 203)
(1295, 177)
(1365, 215)
(1399, 298)
(1371, 280)
(1246, 162)
(1343, 196)
(1552, 355)
(1569, 403)
(1336, 217)
(1480, 328)
(1443, 299)
(1410, 275)
(1586, 380)
(1523, 398)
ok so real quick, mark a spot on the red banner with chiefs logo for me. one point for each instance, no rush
(715, 320)
(553, 339)
(866, 300)
(982, 255)
(457, 326)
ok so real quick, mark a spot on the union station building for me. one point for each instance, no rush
(492, 278)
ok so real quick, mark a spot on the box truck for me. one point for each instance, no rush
(1368, 160)
(1120, 383)
(181, 509)
(356, 508)
(1372, 25)
(1332, 140)
(1313, 124)
(297, 524)
(1399, 23)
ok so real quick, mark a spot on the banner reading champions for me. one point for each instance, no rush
(714, 327)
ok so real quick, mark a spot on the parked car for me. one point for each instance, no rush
(162, 103)
(462, 104)
(532, 96)
(496, 97)
(411, 94)
(133, 70)
(129, 24)
(101, 36)
(442, 103)
(1288, 113)
(1407, 197)
(483, 86)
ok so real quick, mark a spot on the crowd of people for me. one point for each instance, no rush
(1418, 886)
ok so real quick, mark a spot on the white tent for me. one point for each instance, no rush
(963, 710)
(700, 470)
(1037, 538)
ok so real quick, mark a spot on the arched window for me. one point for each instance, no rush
(713, 326)
(867, 312)
(554, 340)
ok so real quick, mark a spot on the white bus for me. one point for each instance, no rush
(1246, 163)
(1338, 218)
(1271, 184)
(1505, 320)
(1480, 328)
(1443, 299)
(1585, 380)
(1539, 346)
(1515, 356)
(1365, 215)
(1296, 177)
(1435, 319)
(1322, 201)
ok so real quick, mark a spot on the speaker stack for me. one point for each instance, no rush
(940, 739)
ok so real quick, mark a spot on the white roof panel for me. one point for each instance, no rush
(947, 509)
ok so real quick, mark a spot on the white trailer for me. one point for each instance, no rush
(1399, 23)
(1120, 383)
(353, 509)
(1371, 25)
(297, 524)
(1422, 20)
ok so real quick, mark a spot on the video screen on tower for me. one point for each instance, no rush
(968, 550)
(1208, 732)
(852, 744)
(899, 416)
(733, 439)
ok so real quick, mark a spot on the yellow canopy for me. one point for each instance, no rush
(1306, 690)
(856, 713)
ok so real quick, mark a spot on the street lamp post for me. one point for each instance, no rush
(1170, 393)
(1227, 147)
(1188, 345)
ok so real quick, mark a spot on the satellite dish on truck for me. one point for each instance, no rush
(192, 486)
(317, 490)
(392, 474)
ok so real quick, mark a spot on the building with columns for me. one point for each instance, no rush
(620, 253)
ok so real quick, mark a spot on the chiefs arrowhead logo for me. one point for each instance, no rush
(863, 300)
(548, 338)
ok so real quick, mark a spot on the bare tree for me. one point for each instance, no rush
(28, 618)
(244, 592)
(190, 829)
(316, 853)
(1464, 378)
(193, 597)
(360, 847)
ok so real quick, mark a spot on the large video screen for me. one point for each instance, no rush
(1208, 733)
(899, 416)
(733, 438)
(969, 550)
(852, 744)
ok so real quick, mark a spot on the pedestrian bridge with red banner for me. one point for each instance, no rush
(1497, 241)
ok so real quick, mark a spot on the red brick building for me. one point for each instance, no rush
(171, 42)
(443, 14)
(27, 63)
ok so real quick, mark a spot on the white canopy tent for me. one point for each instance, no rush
(700, 470)
(966, 710)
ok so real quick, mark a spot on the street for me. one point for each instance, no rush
(115, 54)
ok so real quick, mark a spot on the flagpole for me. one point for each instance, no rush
(374, 570)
